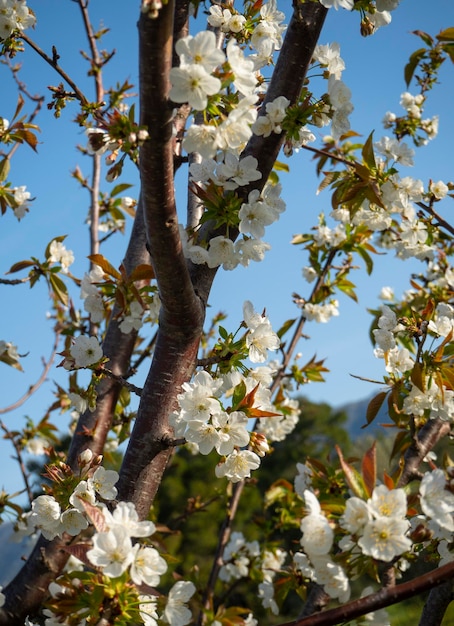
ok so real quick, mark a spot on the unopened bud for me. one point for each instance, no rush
(85, 457)
(259, 444)
(366, 28)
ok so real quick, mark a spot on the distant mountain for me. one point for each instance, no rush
(357, 411)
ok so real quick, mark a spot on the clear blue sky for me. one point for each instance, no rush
(375, 76)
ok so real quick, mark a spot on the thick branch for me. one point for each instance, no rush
(25, 593)
(156, 169)
(426, 439)
(288, 79)
(383, 598)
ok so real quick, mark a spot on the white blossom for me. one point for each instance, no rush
(385, 538)
(85, 351)
(147, 566)
(176, 612)
(112, 551)
(192, 84)
(103, 482)
(59, 254)
(238, 465)
(436, 501)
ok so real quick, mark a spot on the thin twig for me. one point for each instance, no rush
(19, 459)
(441, 222)
(39, 382)
(120, 379)
(52, 61)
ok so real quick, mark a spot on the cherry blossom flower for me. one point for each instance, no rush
(148, 612)
(112, 551)
(201, 138)
(73, 522)
(133, 321)
(103, 482)
(321, 313)
(329, 56)
(59, 254)
(356, 515)
(332, 577)
(197, 401)
(254, 216)
(439, 189)
(232, 431)
(303, 479)
(148, 566)
(240, 172)
(345, 4)
(193, 84)
(266, 594)
(384, 538)
(317, 534)
(176, 612)
(245, 80)
(436, 501)
(388, 502)
(85, 351)
(222, 252)
(200, 50)
(125, 516)
(238, 465)
(84, 491)
(46, 516)
(14, 15)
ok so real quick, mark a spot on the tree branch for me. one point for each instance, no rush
(383, 598)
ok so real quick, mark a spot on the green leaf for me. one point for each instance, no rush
(20, 104)
(59, 288)
(352, 476)
(424, 36)
(368, 152)
(446, 35)
(4, 168)
(412, 64)
(119, 189)
(238, 394)
(347, 287)
(449, 49)
(20, 265)
(281, 167)
(366, 258)
(285, 327)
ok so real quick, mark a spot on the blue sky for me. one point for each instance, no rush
(374, 73)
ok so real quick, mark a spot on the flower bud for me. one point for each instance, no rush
(259, 444)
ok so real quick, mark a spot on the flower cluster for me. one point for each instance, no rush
(261, 210)
(206, 422)
(412, 122)
(14, 15)
(315, 562)
(59, 254)
(52, 520)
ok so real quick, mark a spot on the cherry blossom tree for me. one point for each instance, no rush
(221, 105)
